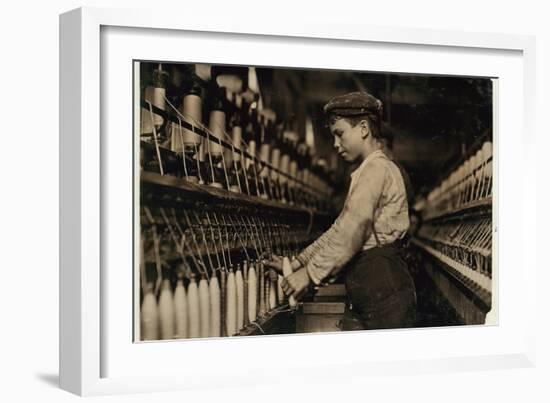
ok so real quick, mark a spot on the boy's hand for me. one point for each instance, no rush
(275, 263)
(297, 283)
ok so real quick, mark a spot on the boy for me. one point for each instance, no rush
(365, 239)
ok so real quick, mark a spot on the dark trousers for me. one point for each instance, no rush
(380, 290)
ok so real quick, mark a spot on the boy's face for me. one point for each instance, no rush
(348, 139)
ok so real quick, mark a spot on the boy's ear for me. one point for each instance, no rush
(365, 129)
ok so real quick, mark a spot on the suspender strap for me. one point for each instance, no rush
(375, 236)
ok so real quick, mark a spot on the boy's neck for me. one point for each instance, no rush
(369, 148)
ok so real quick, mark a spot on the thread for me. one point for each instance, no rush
(251, 151)
(264, 156)
(166, 311)
(284, 167)
(237, 136)
(275, 160)
(149, 315)
(217, 127)
(192, 108)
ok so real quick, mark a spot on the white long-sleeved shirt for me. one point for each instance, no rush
(376, 199)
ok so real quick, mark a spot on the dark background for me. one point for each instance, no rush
(434, 120)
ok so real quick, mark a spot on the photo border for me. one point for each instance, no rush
(81, 306)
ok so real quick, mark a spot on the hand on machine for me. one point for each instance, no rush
(296, 281)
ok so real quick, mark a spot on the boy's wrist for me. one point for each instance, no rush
(295, 264)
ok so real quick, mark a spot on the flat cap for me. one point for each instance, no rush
(353, 104)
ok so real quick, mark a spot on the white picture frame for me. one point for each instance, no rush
(88, 334)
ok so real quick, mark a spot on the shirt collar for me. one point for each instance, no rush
(370, 157)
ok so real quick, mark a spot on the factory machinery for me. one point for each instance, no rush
(225, 182)
(454, 241)
(215, 199)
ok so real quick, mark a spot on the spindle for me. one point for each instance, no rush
(166, 311)
(180, 310)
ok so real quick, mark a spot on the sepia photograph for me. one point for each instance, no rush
(277, 201)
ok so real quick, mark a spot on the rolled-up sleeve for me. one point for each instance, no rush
(346, 236)
(305, 256)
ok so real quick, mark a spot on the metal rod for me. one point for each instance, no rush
(156, 247)
(155, 137)
(221, 239)
(201, 229)
(213, 240)
(194, 238)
